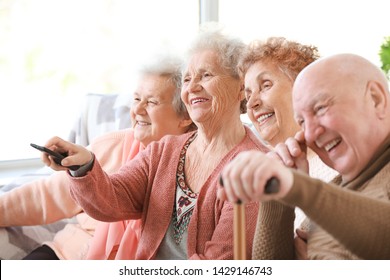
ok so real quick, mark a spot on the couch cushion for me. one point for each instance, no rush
(100, 113)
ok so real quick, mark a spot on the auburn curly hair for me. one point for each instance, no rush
(290, 56)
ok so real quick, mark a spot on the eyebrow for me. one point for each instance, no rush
(261, 74)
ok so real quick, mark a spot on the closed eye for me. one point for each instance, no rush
(206, 75)
(153, 102)
(248, 94)
(300, 122)
(320, 109)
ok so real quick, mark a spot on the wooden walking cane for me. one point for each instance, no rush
(239, 229)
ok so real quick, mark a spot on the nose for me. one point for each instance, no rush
(194, 86)
(139, 108)
(312, 130)
(254, 101)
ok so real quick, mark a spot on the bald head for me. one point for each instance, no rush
(342, 104)
(350, 68)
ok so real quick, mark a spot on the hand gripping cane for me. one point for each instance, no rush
(272, 186)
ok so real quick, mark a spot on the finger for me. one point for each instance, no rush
(275, 155)
(283, 152)
(301, 163)
(221, 194)
(59, 145)
(246, 177)
(302, 234)
(53, 165)
(228, 191)
(300, 137)
(79, 157)
(236, 182)
(261, 175)
(293, 147)
(269, 168)
(231, 176)
(300, 249)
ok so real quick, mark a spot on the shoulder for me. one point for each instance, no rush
(118, 136)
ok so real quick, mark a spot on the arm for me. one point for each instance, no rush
(114, 197)
(358, 217)
(48, 200)
(274, 236)
(348, 216)
(40, 202)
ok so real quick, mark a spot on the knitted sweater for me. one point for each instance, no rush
(349, 222)
(145, 188)
(48, 200)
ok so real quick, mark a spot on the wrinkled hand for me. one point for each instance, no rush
(300, 243)
(245, 177)
(292, 153)
(77, 155)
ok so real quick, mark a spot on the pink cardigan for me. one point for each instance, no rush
(145, 189)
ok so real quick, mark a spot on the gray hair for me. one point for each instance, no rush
(167, 66)
(228, 49)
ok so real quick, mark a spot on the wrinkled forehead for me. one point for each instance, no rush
(202, 59)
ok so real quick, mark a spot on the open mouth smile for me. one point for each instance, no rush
(331, 145)
(198, 100)
(264, 117)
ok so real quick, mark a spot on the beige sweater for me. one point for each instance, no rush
(351, 222)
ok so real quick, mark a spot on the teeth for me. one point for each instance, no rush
(264, 117)
(194, 101)
(330, 145)
(142, 123)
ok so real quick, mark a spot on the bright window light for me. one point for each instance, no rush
(52, 53)
(333, 26)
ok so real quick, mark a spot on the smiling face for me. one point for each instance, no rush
(152, 110)
(268, 91)
(209, 92)
(337, 114)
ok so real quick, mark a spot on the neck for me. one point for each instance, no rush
(219, 138)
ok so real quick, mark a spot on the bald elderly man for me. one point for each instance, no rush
(342, 104)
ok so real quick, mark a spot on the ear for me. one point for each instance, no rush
(379, 98)
(185, 122)
(242, 92)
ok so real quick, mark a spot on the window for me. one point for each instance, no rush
(54, 52)
(333, 26)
